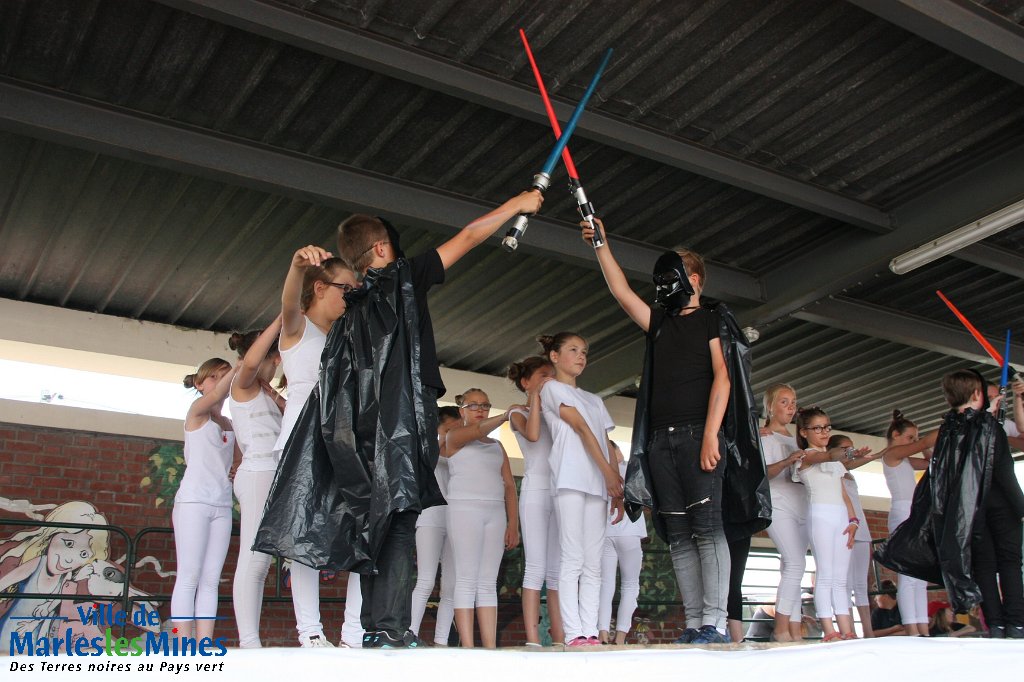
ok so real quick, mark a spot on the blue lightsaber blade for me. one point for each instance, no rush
(542, 180)
(1006, 361)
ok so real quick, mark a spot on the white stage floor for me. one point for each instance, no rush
(892, 659)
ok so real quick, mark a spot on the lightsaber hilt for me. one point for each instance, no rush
(541, 182)
(586, 209)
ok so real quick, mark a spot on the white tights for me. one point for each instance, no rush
(860, 562)
(627, 553)
(911, 593)
(251, 489)
(790, 536)
(433, 546)
(831, 559)
(202, 534)
(581, 522)
(477, 532)
(539, 524)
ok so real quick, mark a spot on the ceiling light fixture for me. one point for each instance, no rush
(959, 238)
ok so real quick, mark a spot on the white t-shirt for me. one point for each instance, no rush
(789, 498)
(536, 465)
(1011, 429)
(571, 466)
(863, 534)
(625, 527)
(824, 482)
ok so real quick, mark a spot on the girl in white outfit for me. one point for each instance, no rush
(911, 594)
(833, 524)
(860, 557)
(483, 517)
(788, 529)
(433, 546)
(622, 548)
(537, 515)
(256, 414)
(583, 480)
(202, 505)
(311, 301)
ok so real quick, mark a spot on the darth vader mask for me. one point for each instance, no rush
(671, 283)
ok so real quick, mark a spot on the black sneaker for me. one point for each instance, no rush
(371, 639)
(409, 640)
(997, 632)
(1014, 632)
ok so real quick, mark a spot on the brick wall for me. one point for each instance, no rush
(130, 481)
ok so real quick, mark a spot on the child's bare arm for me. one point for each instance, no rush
(483, 227)
(628, 299)
(292, 324)
(895, 453)
(573, 418)
(199, 411)
(460, 436)
(246, 378)
(511, 504)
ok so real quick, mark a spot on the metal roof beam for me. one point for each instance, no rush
(994, 258)
(966, 29)
(899, 327)
(321, 36)
(106, 129)
(852, 259)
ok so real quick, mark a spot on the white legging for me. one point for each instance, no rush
(432, 546)
(860, 563)
(790, 536)
(911, 593)
(306, 602)
(831, 559)
(539, 524)
(202, 534)
(476, 529)
(251, 489)
(581, 523)
(626, 552)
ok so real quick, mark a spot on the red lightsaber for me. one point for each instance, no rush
(575, 186)
(989, 348)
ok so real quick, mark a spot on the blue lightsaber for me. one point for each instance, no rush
(1004, 381)
(542, 180)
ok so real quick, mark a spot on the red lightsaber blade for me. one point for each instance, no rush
(989, 348)
(575, 186)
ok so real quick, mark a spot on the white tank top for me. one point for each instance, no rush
(900, 480)
(788, 496)
(474, 472)
(824, 482)
(208, 454)
(257, 425)
(301, 365)
(863, 534)
(625, 527)
(536, 467)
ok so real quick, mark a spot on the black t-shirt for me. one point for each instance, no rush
(682, 367)
(885, 618)
(427, 270)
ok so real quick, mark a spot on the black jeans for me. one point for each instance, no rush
(387, 596)
(998, 552)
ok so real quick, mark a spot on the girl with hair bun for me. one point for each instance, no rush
(202, 506)
(536, 506)
(312, 300)
(483, 519)
(583, 480)
(256, 411)
(899, 468)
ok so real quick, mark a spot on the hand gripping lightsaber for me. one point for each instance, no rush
(575, 186)
(989, 348)
(542, 180)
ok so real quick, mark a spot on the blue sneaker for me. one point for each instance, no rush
(689, 634)
(385, 640)
(708, 635)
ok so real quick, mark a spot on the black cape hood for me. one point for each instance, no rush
(934, 543)
(746, 501)
(363, 447)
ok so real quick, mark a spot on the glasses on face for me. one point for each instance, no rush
(477, 406)
(345, 288)
(819, 429)
(367, 250)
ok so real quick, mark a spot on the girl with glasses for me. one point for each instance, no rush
(583, 479)
(483, 517)
(313, 298)
(833, 525)
(536, 506)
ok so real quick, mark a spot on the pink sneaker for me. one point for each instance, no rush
(579, 641)
(593, 641)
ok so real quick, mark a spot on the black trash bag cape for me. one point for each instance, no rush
(934, 543)
(746, 501)
(360, 450)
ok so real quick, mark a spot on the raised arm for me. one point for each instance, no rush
(530, 426)
(861, 457)
(777, 468)
(628, 299)
(1018, 405)
(292, 323)
(199, 411)
(246, 384)
(895, 453)
(483, 227)
(460, 436)
(511, 503)
(571, 416)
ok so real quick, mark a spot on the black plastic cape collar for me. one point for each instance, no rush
(362, 448)
(934, 543)
(746, 501)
